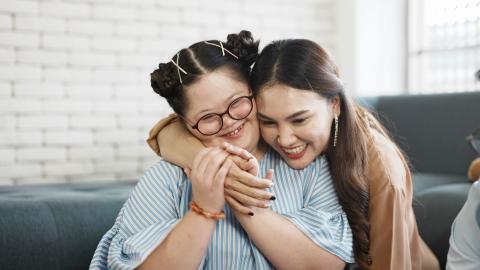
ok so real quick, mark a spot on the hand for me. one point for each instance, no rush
(244, 190)
(239, 202)
(210, 167)
(242, 158)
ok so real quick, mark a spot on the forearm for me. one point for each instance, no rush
(190, 236)
(178, 145)
(285, 246)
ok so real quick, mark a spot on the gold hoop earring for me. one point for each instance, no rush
(335, 136)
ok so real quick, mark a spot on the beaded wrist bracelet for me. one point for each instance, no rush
(197, 209)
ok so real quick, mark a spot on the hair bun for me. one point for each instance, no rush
(244, 46)
(165, 79)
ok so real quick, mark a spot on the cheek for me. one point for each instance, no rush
(206, 140)
(320, 131)
(268, 134)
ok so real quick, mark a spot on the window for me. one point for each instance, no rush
(444, 46)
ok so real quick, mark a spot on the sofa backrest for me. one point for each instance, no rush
(431, 129)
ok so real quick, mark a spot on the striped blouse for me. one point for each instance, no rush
(160, 199)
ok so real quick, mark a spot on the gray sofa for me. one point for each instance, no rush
(59, 226)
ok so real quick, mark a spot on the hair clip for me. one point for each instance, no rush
(178, 67)
(221, 47)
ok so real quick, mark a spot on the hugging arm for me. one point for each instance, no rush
(170, 139)
(316, 236)
(311, 238)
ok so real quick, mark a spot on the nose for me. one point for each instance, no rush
(228, 121)
(286, 137)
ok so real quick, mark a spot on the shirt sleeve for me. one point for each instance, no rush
(464, 252)
(322, 218)
(144, 221)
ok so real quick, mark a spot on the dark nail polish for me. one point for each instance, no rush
(273, 198)
(251, 214)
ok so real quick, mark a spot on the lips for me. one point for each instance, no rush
(295, 152)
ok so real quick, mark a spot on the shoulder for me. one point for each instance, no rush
(162, 173)
(386, 165)
(161, 182)
(318, 173)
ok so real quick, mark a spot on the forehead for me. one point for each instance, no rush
(213, 91)
(280, 100)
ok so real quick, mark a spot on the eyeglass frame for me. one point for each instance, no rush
(470, 139)
(227, 111)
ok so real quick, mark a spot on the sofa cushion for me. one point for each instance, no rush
(56, 226)
(424, 181)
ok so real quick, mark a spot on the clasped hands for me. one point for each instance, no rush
(229, 174)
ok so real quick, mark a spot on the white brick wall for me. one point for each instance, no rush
(75, 100)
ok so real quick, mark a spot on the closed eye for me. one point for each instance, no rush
(299, 120)
(266, 122)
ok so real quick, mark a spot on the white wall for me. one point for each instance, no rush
(372, 45)
(75, 100)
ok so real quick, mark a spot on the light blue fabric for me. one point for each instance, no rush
(160, 199)
(464, 252)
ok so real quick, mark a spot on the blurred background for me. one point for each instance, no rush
(75, 99)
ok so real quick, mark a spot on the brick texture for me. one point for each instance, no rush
(75, 101)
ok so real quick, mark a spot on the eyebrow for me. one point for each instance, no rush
(296, 114)
(206, 110)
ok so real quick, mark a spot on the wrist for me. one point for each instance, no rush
(214, 215)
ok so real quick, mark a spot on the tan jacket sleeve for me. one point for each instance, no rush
(171, 140)
(389, 231)
(152, 139)
(394, 239)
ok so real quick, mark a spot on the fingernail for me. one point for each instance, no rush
(271, 184)
(251, 214)
(273, 198)
(266, 204)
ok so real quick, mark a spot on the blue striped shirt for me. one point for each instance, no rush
(160, 199)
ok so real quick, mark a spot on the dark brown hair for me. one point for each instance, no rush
(303, 64)
(169, 81)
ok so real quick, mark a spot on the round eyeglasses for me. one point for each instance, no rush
(212, 123)
(474, 140)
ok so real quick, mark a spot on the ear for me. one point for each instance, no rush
(335, 101)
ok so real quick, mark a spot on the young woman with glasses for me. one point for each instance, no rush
(186, 219)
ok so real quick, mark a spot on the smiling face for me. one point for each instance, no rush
(213, 93)
(296, 123)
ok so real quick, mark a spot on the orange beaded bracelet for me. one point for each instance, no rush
(197, 209)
